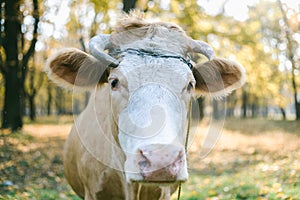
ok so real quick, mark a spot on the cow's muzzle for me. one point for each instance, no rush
(160, 163)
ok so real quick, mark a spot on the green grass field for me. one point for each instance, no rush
(253, 159)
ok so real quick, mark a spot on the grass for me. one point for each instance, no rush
(53, 120)
(31, 162)
(253, 159)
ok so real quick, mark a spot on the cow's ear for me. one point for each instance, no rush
(218, 77)
(71, 67)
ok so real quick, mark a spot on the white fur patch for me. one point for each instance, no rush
(169, 72)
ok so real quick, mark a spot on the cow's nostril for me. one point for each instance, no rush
(144, 164)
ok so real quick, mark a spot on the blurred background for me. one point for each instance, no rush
(262, 118)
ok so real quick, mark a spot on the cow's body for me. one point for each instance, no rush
(129, 141)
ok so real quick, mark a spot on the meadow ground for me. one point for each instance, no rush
(253, 159)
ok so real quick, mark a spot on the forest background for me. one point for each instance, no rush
(263, 36)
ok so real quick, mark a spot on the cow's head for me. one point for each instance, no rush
(151, 84)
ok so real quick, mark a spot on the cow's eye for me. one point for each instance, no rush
(114, 83)
(190, 86)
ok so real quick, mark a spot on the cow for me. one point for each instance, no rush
(129, 141)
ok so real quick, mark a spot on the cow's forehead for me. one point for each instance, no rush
(169, 72)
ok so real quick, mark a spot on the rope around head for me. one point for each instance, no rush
(142, 53)
(186, 142)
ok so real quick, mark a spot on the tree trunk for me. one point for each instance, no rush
(297, 103)
(201, 107)
(229, 112)
(32, 114)
(253, 110)
(298, 110)
(198, 113)
(283, 113)
(13, 69)
(12, 112)
(291, 56)
(32, 88)
(49, 99)
(244, 104)
(128, 5)
(60, 101)
(231, 103)
(265, 112)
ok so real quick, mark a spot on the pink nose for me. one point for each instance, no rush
(160, 163)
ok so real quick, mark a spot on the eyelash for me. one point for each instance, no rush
(190, 86)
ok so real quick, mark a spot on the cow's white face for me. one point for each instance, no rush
(150, 98)
(149, 95)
